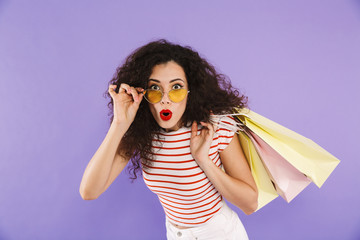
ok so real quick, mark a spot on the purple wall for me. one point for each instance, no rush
(298, 61)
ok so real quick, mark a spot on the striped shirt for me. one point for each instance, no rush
(185, 193)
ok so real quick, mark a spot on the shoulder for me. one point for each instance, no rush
(226, 127)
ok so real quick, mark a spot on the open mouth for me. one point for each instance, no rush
(165, 114)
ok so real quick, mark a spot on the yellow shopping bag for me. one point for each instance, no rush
(303, 155)
(301, 152)
(266, 190)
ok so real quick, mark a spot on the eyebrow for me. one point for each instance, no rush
(151, 79)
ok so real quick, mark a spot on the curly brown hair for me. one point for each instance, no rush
(209, 91)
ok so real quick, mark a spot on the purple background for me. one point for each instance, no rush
(297, 61)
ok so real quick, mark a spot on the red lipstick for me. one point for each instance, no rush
(165, 114)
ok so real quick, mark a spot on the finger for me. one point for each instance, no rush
(140, 92)
(140, 95)
(112, 87)
(134, 94)
(194, 129)
(209, 126)
(112, 90)
(124, 88)
(139, 89)
(205, 124)
(204, 130)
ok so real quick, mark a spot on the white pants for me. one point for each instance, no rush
(225, 224)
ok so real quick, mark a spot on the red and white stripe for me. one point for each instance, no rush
(186, 194)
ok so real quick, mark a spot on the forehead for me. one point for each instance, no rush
(167, 73)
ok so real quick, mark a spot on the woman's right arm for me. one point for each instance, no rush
(104, 166)
(107, 164)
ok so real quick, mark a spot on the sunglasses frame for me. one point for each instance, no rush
(162, 95)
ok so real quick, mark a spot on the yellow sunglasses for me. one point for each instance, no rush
(175, 95)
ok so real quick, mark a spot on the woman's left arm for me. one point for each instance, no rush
(236, 184)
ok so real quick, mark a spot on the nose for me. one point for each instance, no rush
(165, 98)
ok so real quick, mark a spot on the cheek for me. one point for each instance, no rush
(182, 107)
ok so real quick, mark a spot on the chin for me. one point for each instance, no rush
(171, 124)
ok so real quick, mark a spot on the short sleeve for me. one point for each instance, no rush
(225, 132)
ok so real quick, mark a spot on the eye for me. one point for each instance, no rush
(154, 87)
(177, 86)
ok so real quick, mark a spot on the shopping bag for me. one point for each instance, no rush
(301, 152)
(288, 181)
(281, 161)
(266, 189)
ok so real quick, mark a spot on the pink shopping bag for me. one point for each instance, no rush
(288, 181)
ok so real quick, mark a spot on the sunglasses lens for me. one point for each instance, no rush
(153, 96)
(177, 95)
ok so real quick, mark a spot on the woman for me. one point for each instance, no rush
(189, 162)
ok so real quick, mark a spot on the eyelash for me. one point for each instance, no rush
(154, 85)
(177, 85)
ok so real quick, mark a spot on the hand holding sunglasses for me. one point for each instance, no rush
(125, 102)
